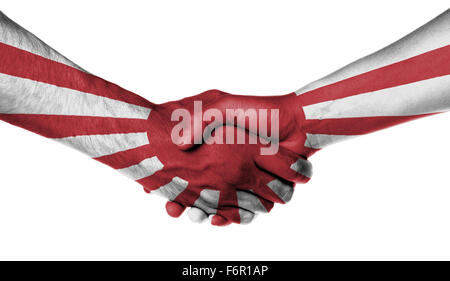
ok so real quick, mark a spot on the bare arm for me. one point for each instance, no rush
(406, 80)
(42, 91)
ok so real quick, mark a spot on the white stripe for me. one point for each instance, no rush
(25, 96)
(101, 145)
(431, 36)
(281, 189)
(426, 96)
(208, 201)
(14, 35)
(171, 190)
(245, 216)
(144, 169)
(303, 166)
(321, 140)
(250, 202)
(197, 215)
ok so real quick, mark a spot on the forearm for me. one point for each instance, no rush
(42, 91)
(406, 80)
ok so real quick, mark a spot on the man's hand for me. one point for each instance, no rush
(226, 179)
(231, 181)
(45, 93)
(286, 130)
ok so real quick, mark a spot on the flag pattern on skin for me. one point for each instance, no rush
(404, 81)
(59, 100)
(111, 125)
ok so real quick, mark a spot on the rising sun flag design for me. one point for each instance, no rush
(59, 100)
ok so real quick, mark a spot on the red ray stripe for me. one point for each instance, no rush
(267, 204)
(124, 159)
(425, 66)
(228, 206)
(188, 196)
(155, 181)
(355, 126)
(20, 63)
(59, 126)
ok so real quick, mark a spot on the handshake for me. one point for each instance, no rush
(223, 156)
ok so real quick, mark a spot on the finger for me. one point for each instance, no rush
(246, 216)
(219, 220)
(267, 204)
(203, 202)
(197, 215)
(303, 167)
(225, 212)
(284, 190)
(267, 196)
(287, 165)
(277, 190)
(208, 201)
(232, 215)
(250, 201)
(174, 209)
(228, 205)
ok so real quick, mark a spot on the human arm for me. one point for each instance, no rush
(42, 91)
(406, 80)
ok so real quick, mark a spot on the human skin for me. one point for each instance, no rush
(404, 81)
(42, 91)
(408, 79)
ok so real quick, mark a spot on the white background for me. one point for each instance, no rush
(381, 196)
